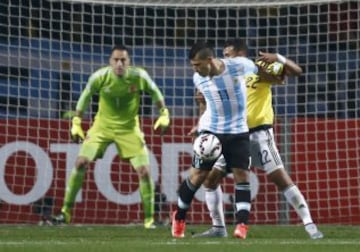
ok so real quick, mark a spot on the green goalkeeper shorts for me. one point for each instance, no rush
(130, 144)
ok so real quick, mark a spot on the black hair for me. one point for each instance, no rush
(202, 50)
(119, 47)
(237, 43)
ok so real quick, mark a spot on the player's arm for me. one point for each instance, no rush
(290, 67)
(76, 132)
(264, 75)
(164, 118)
(201, 103)
(157, 98)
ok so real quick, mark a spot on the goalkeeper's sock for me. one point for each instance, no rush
(74, 184)
(242, 202)
(297, 201)
(214, 202)
(147, 194)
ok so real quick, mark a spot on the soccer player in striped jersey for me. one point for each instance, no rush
(119, 87)
(222, 83)
(263, 150)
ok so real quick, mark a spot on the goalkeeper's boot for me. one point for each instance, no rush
(213, 232)
(241, 231)
(62, 218)
(149, 223)
(313, 231)
(177, 227)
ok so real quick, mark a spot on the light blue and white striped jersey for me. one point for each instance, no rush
(225, 97)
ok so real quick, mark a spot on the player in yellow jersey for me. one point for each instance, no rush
(119, 87)
(263, 150)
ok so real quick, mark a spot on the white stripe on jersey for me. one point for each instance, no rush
(225, 97)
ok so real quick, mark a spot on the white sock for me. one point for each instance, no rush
(295, 198)
(311, 228)
(214, 202)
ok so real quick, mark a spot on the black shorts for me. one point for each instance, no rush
(235, 148)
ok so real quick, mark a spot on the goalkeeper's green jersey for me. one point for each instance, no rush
(119, 97)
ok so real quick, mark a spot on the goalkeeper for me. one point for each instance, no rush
(119, 87)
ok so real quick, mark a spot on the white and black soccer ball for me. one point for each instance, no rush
(207, 147)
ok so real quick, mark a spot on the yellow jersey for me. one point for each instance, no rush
(259, 104)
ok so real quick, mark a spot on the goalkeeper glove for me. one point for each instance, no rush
(163, 121)
(77, 133)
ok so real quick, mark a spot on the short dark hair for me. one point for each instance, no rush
(120, 48)
(237, 43)
(202, 49)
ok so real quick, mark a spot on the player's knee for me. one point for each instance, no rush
(214, 178)
(143, 171)
(82, 163)
(210, 183)
(281, 179)
(241, 176)
(198, 178)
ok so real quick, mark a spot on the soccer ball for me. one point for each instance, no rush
(207, 147)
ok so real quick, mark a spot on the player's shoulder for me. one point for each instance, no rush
(137, 71)
(239, 60)
(101, 73)
(197, 78)
(241, 65)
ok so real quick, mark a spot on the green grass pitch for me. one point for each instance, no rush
(265, 238)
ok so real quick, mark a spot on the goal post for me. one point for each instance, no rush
(49, 48)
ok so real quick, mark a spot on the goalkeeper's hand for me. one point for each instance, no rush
(77, 133)
(163, 121)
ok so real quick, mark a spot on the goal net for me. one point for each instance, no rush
(48, 49)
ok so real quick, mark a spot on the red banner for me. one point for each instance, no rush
(325, 165)
(37, 157)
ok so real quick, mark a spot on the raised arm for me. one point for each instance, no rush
(291, 68)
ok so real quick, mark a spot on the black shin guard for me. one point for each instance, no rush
(186, 194)
(243, 199)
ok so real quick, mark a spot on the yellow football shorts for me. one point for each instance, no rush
(130, 144)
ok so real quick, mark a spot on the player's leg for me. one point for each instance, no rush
(214, 201)
(296, 199)
(92, 148)
(237, 156)
(292, 194)
(131, 145)
(266, 156)
(242, 202)
(147, 189)
(72, 188)
(186, 192)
